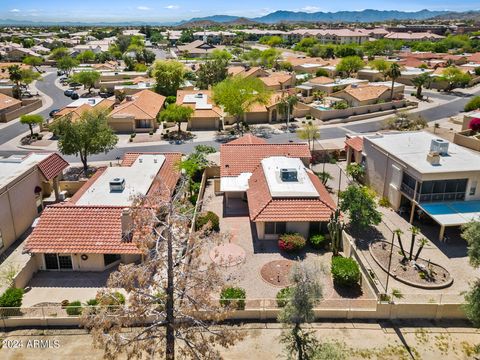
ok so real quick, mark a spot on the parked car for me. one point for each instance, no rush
(53, 112)
(69, 92)
(75, 96)
(60, 72)
(105, 94)
(27, 94)
(75, 85)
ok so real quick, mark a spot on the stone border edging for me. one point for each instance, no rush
(426, 287)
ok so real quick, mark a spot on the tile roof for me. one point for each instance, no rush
(262, 207)
(356, 143)
(321, 80)
(145, 104)
(238, 157)
(276, 79)
(8, 101)
(247, 139)
(52, 166)
(199, 113)
(366, 92)
(79, 229)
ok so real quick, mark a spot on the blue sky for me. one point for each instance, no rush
(166, 10)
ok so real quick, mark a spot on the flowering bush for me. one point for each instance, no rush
(291, 242)
(475, 125)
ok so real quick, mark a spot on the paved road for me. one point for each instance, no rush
(47, 86)
(451, 108)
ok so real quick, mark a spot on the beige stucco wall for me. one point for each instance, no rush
(18, 206)
(95, 262)
(122, 124)
(200, 123)
(302, 228)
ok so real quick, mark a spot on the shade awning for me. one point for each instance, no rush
(453, 213)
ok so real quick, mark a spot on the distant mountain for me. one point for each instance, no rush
(242, 21)
(213, 18)
(467, 15)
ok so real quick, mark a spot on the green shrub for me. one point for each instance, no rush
(283, 296)
(308, 117)
(290, 242)
(171, 99)
(233, 297)
(12, 297)
(132, 135)
(340, 105)
(345, 271)
(319, 241)
(74, 308)
(473, 104)
(119, 298)
(384, 202)
(208, 217)
(92, 302)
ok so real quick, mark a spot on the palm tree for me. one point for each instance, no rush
(394, 73)
(15, 75)
(285, 105)
(399, 234)
(421, 243)
(420, 81)
(415, 231)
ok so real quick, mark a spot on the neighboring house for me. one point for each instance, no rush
(137, 113)
(198, 48)
(254, 71)
(414, 36)
(360, 95)
(92, 231)
(8, 104)
(329, 85)
(24, 183)
(76, 108)
(409, 73)
(332, 36)
(206, 115)
(424, 175)
(306, 64)
(277, 81)
(354, 149)
(215, 37)
(283, 194)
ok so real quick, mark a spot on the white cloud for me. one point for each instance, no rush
(15, 10)
(143, 8)
(194, 11)
(172, 7)
(310, 8)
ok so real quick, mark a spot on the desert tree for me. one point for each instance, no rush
(172, 307)
(471, 234)
(306, 292)
(309, 132)
(31, 120)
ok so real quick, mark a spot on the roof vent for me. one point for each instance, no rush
(117, 185)
(288, 175)
(199, 96)
(91, 101)
(129, 98)
(440, 146)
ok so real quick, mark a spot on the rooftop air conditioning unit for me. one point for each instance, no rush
(440, 146)
(288, 175)
(117, 185)
(199, 96)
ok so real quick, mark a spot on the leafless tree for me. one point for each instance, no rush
(172, 308)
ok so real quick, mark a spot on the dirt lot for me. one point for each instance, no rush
(364, 340)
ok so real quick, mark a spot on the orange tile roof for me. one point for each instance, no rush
(306, 60)
(7, 101)
(321, 80)
(145, 104)
(237, 158)
(69, 229)
(366, 92)
(276, 79)
(262, 207)
(356, 143)
(52, 166)
(76, 112)
(475, 58)
(411, 62)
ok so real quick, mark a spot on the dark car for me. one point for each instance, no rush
(68, 92)
(74, 85)
(105, 94)
(53, 112)
(75, 96)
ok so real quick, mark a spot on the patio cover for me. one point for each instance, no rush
(304, 87)
(453, 213)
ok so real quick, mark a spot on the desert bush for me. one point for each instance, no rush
(345, 271)
(12, 297)
(233, 297)
(283, 296)
(473, 104)
(319, 241)
(74, 308)
(291, 242)
(208, 217)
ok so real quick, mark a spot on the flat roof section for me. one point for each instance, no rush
(14, 166)
(138, 179)
(412, 148)
(453, 213)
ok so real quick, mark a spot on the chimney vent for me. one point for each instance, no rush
(433, 158)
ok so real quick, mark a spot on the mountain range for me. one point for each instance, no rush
(279, 16)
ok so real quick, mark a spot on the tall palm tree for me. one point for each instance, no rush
(394, 73)
(286, 105)
(15, 75)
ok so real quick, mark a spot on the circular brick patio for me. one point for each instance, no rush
(227, 255)
(277, 272)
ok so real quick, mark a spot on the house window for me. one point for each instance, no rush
(142, 124)
(110, 258)
(473, 189)
(58, 262)
(275, 228)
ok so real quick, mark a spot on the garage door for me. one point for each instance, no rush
(203, 124)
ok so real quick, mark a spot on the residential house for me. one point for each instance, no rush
(423, 175)
(137, 113)
(282, 193)
(278, 81)
(76, 108)
(414, 36)
(332, 36)
(8, 104)
(198, 48)
(206, 115)
(360, 95)
(25, 182)
(254, 71)
(354, 149)
(92, 230)
(214, 37)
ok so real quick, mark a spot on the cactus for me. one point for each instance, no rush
(335, 228)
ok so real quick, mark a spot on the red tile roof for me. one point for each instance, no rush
(356, 143)
(262, 207)
(80, 229)
(52, 166)
(237, 158)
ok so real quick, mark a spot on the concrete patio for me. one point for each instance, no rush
(55, 286)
